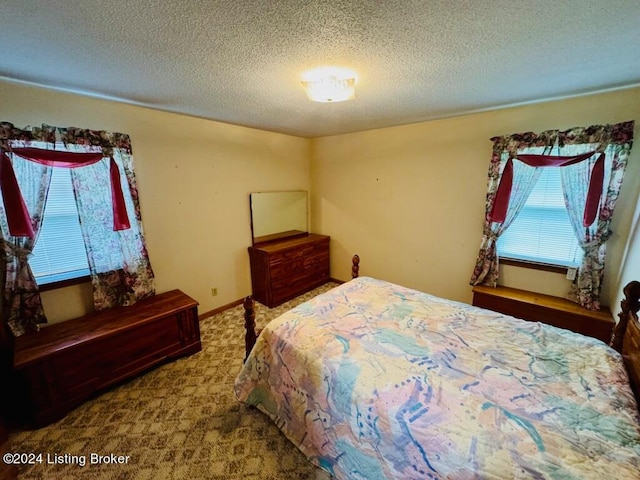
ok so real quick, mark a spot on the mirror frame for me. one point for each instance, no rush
(275, 235)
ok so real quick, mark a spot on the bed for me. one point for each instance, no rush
(372, 380)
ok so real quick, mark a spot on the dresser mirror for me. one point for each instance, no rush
(277, 215)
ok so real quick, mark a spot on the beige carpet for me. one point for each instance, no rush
(178, 421)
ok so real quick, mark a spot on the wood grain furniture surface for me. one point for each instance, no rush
(284, 269)
(251, 334)
(626, 335)
(537, 307)
(66, 363)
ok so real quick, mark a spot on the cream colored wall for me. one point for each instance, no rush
(194, 179)
(410, 199)
(631, 262)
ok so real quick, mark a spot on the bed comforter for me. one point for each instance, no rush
(372, 380)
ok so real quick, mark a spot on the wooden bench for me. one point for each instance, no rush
(555, 311)
(66, 363)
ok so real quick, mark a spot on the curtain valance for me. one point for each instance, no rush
(18, 216)
(501, 203)
(94, 140)
(602, 135)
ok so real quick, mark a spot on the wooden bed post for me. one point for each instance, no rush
(251, 335)
(249, 325)
(355, 266)
(630, 303)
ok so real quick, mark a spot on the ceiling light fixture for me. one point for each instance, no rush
(329, 84)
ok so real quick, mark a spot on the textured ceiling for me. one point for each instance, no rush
(240, 61)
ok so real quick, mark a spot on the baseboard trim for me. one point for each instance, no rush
(221, 309)
(235, 303)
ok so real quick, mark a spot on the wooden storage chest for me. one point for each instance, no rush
(555, 311)
(66, 363)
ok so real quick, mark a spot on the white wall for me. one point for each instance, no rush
(410, 199)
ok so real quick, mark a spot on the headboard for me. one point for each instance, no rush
(626, 335)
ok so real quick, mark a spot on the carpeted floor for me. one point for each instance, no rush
(178, 421)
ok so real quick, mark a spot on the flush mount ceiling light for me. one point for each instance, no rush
(329, 84)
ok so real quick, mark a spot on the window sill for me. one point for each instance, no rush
(534, 265)
(64, 283)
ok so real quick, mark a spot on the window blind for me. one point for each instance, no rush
(59, 253)
(542, 231)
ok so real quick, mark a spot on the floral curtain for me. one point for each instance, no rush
(524, 179)
(590, 159)
(121, 272)
(21, 305)
(615, 141)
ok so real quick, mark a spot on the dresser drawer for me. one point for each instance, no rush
(316, 261)
(286, 256)
(297, 285)
(285, 269)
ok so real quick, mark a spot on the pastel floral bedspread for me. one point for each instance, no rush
(372, 380)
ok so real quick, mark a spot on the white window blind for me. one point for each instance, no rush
(59, 253)
(542, 231)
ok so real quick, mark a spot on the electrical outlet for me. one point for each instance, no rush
(214, 291)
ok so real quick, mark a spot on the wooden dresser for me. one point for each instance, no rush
(537, 307)
(284, 269)
(64, 364)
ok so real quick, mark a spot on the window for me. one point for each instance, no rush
(110, 241)
(59, 253)
(542, 232)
